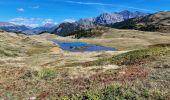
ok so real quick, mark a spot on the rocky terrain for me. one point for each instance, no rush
(111, 18)
(65, 29)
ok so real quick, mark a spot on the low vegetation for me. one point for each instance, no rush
(119, 92)
(138, 56)
(154, 62)
(90, 33)
(7, 53)
(34, 68)
(129, 58)
(38, 50)
(47, 73)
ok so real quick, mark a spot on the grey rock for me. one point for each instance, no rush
(66, 29)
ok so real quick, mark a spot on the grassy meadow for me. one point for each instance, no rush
(32, 67)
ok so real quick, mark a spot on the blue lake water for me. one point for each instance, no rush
(81, 47)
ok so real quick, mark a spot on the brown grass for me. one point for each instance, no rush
(42, 71)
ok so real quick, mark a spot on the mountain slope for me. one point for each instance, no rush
(155, 22)
(108, 18)
(111, 18)
(101, 20)
(67, 28)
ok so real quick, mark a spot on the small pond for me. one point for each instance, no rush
(81, 47)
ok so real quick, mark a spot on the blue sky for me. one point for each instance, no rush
(38, 12)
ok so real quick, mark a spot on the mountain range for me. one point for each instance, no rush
(159, 21)
(111, 18)
(67, 28)
(12, 27)
(9, 27)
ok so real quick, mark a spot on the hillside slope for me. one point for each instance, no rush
(155, 22)
(32, 67)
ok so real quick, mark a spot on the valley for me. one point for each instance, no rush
(33, 67)
(85, 50)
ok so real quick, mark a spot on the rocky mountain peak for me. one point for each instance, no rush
(108, 18)
(103, 19)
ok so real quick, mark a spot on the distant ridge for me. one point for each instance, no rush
(9, 27)
(5, 24)
(154, 22)
(65, 29)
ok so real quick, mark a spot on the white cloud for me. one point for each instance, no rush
(32, 22)
(89, 3)
(69, 20)
(21, 9)
(107, 4)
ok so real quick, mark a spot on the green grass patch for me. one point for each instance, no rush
(90, 33)
(118, 92)
(138, 56)
(47, 73)
(132, 57)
